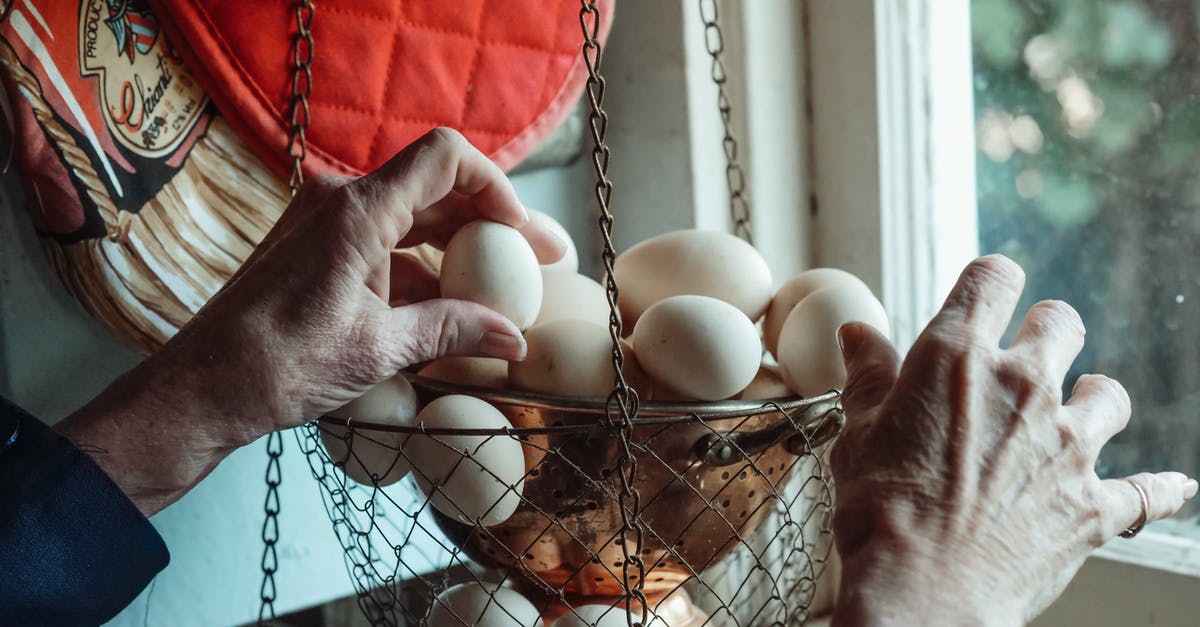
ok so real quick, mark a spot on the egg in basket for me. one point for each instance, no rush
(520, 465)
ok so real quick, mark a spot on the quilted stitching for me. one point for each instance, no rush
(385, 71)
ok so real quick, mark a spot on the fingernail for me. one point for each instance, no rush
(850, 338)
(525, 213)
(1189, 488)
(502, 345)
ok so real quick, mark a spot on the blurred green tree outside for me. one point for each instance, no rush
(1088, 132)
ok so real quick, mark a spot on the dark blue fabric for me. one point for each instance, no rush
(74, 550)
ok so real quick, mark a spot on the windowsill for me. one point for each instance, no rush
(1171, 546)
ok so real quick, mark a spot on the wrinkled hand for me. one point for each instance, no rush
(966, 490)
(306, 326)
(308, 317)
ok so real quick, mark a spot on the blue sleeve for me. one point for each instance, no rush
(74, 550)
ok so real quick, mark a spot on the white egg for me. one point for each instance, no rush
(565, 357)
(597, 615)
(478, 478)
(698, 347)
(706, 263)
(793, 292)
(570, 259)
(492, 264)
(486, 605)
(810, 359)
(486, 372)
(635, 375)
(367, 453)
(567, 295)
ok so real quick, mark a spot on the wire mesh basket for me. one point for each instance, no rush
(731, 529)
(603, 511)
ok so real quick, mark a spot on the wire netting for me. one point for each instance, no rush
(734, 511)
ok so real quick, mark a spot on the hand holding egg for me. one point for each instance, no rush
(492, 264)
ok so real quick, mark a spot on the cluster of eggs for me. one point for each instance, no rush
(689, 303)
(693, 302)
(697, 306)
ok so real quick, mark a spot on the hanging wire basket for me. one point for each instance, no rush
(709, 476)
(665, 514)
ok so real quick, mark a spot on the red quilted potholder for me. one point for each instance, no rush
(504, 72)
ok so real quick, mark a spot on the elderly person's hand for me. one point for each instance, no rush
(966, 493)
(306, 325)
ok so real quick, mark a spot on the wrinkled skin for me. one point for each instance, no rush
(966, 490)
(306, 326)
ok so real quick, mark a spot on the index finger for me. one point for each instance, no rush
(426, 171)
(444, 218)
(984, 299)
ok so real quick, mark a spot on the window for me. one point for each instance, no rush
(1065, 134)
(1088, 130)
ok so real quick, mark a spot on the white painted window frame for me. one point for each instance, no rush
(886, 140)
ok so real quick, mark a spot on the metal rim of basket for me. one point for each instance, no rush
(650, 413)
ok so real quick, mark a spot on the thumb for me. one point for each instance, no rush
(443, 326)
(872, 365)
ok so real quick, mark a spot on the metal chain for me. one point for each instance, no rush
(302, 56)
(735, 176)
(623, 397)
(270, 530)
(297, 149)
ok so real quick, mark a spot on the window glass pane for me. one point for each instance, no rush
(1088, 131)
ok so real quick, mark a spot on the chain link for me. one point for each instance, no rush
(735, 176)
(270, 529)
(623, 400)
(302, 56)
(297, 149)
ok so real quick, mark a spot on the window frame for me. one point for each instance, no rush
(891, 197)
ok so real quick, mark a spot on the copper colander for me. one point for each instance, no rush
(707, 476)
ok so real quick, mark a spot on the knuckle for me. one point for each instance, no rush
(998, 267)
(1051, 314)
(326, 181)
(865, 383)
(435, 333)
(344, 198)
(448, 335)
(1107, 388)
(423, 337)
(994, 271)
(444, 136)
(1114, 389)
(947, 340)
